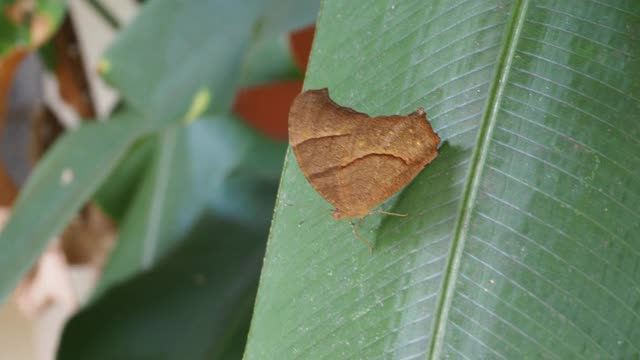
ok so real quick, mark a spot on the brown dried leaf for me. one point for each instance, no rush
(72, 82)
(8, 190)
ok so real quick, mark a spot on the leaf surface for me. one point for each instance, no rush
(522, 236)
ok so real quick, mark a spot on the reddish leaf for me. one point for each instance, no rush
(300, 42)
(266, 107)
(8, 189)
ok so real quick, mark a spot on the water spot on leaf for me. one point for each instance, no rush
(66, 177)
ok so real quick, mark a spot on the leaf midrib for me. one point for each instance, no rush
(150, 242)
(475, 173)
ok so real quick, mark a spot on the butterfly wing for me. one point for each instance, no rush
(355, 161)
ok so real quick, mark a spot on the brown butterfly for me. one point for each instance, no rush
(353, 160)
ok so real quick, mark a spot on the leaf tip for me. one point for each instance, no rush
(104, 66)
(199, 105)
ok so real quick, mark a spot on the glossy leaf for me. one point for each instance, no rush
(522, 236)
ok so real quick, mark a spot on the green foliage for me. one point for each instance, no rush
(191, 186)
(206, 170)
(19, 35)
(178, 311)
(522, 236)
(208, 166)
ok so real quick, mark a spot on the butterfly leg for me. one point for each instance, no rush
(355, 233)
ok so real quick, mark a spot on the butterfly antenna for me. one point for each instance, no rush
(390, 213)
(355, 233)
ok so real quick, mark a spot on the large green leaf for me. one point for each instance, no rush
(522, 236)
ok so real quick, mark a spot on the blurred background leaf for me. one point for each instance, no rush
(214, 163)
(27, 24)
(217, 166)
(522, 236)
(58, 187)
(191, 184)
(175, 96)
(195, 304)
(24, 25)
(206, 167)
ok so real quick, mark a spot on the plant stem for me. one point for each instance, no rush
(104, 13)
